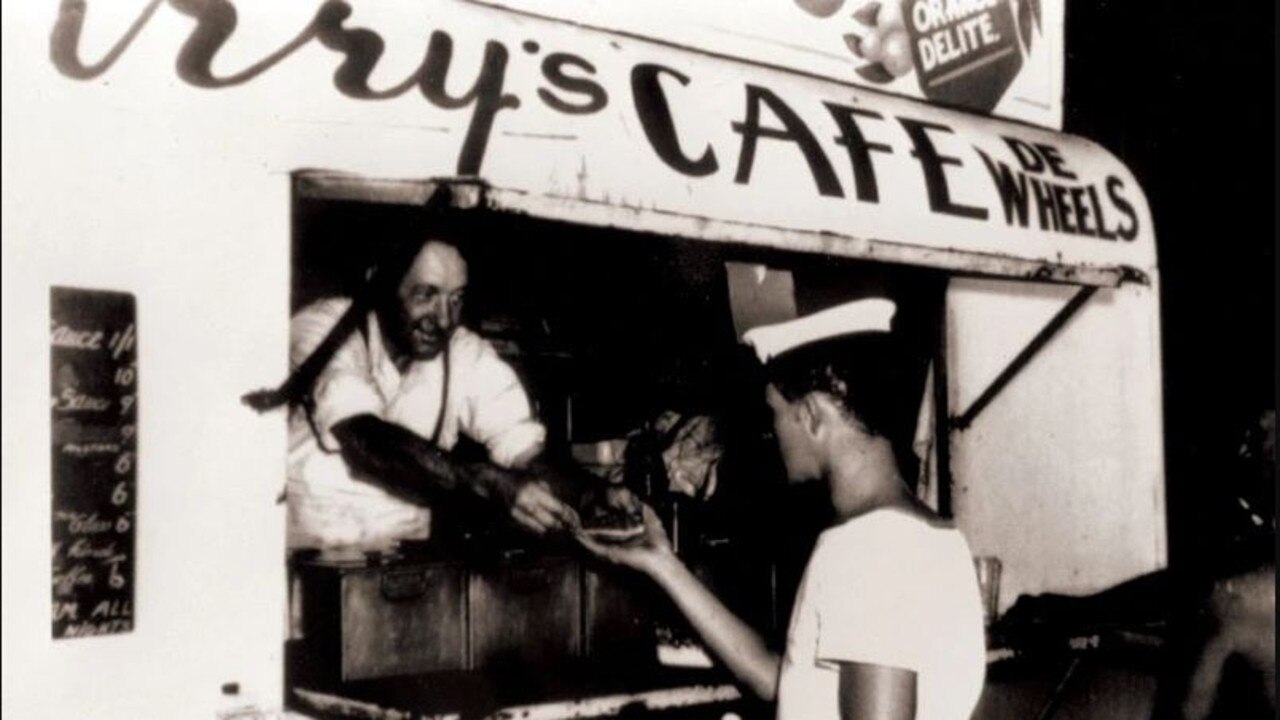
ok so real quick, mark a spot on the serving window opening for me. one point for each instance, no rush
(628, 347)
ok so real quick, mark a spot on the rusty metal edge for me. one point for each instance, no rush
(665, 222)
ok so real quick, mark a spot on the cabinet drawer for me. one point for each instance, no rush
(399, 621)
(525, 613)
(371, 622)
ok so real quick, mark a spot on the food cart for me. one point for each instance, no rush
(639, 192)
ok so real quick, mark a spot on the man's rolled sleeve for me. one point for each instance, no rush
(339, 396)
(498, 413)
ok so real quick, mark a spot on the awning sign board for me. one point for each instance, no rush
(556, 110)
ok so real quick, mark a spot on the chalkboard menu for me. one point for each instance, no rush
(95, 445)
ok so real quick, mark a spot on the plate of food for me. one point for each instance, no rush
(614, 517)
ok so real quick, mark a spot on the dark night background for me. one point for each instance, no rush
(1184, 93)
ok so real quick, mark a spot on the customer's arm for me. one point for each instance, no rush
(737, 645)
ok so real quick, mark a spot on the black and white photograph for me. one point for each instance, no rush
(724, 360)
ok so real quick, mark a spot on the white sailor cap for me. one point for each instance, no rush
(869, 315)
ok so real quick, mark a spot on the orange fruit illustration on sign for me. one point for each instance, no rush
(965, 53)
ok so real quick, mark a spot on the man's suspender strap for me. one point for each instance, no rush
(444, 392)
(444, 396)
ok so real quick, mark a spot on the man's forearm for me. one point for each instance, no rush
(404, 463)
(741, 649)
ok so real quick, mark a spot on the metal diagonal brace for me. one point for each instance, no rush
(965, 419)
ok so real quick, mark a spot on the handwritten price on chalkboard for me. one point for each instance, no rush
(95, 371)
(124, 376)
(122, 341)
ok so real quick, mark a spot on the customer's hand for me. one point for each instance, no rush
(643, 553)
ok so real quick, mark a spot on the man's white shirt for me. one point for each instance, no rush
(485, 401)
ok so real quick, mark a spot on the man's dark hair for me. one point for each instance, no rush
(871, 377)
(391, 267)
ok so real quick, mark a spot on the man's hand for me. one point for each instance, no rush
(643, 554)
(535, 508)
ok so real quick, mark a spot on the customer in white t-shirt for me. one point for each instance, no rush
(888, 622)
